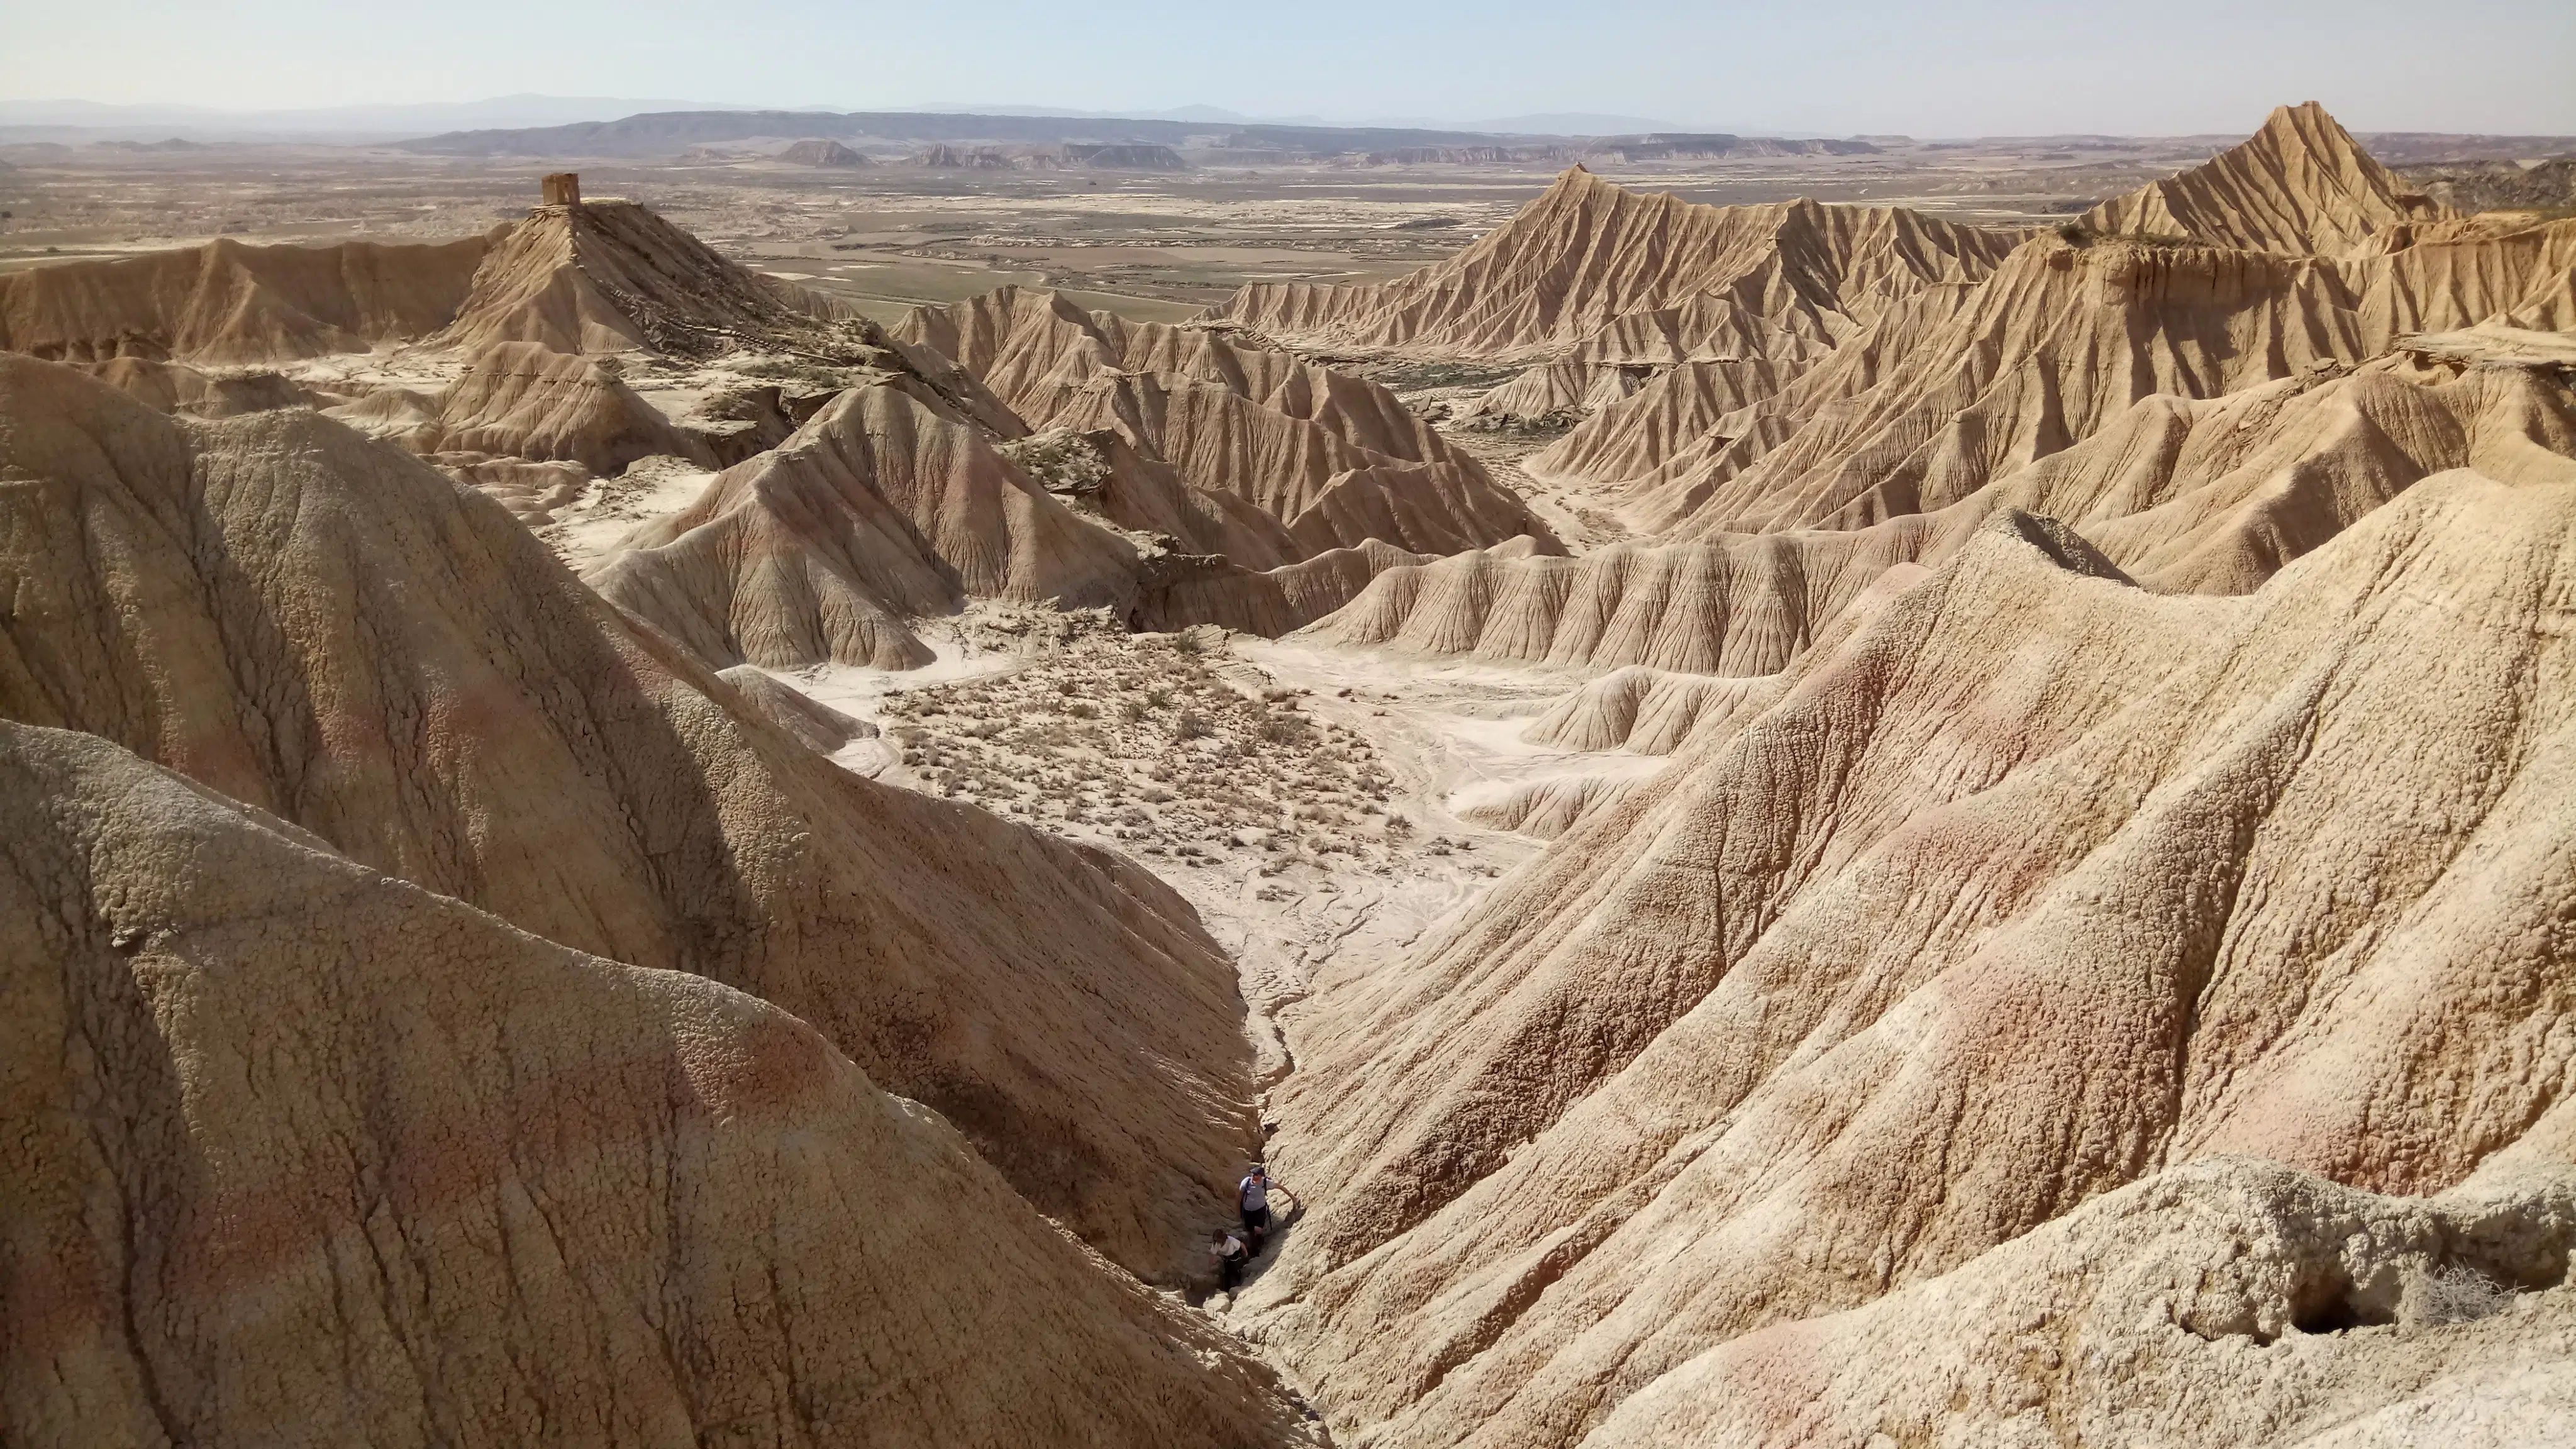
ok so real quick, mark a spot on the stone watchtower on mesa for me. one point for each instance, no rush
(563, 188)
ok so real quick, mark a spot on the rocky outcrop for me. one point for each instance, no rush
(1332, 460)
(523, 400)
(816, 151)
(2230, 1301)
(610, 276)
(2185, 496)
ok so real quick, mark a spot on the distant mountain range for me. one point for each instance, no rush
(95, 120)
(408, 119)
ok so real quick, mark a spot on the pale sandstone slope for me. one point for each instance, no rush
(1955, 382)
(2301, 185)
(1628, 438)
(886, 506)
(2187, 496)
(322, 626)
(2033, 886)
(1324, 492)
(2228, 1301)
(302, 1154)
(524, 400)
(1333, 460)
(227, 302)
(610, 276)
(1554, 390)
(602, 276)
(1959, 390)
(1588, 255)
(176, 387)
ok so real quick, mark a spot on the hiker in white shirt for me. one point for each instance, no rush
(1232, 1256)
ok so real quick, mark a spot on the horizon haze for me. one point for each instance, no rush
(1996, 68)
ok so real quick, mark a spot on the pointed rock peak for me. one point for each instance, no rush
(2306, 127)
(2301, 185)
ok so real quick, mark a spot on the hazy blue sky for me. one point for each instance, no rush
(1964, 67)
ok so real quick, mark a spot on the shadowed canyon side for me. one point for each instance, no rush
(2033, 886)
(340, 1160)
(322, 627)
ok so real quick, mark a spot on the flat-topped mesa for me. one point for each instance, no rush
(563, 188)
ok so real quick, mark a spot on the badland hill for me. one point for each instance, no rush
(1889, 831)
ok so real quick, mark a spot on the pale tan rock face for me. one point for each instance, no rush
(226, 302)
(1959, 388)
(304, 1154)
(323, 627)
(175, 387)
(2301, 186)
(2034, 885)
(1652, 269)
(2186, 496)
(612, 276)
(1327, 460)
(885, 506)
(523, 400)
(606, 276)
(2228, 1301)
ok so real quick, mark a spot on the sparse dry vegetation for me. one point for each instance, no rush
(1148, 742)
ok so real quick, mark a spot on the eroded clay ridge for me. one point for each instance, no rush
(1324, 459)
(2184, 495)
(321, 626)
(317, 1156)
(2033, 886)
(2301, 186)
(603, 275)
(1588, 255)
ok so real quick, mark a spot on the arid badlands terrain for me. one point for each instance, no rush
(1863, 794)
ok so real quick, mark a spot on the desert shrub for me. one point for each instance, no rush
(2455, 1294)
